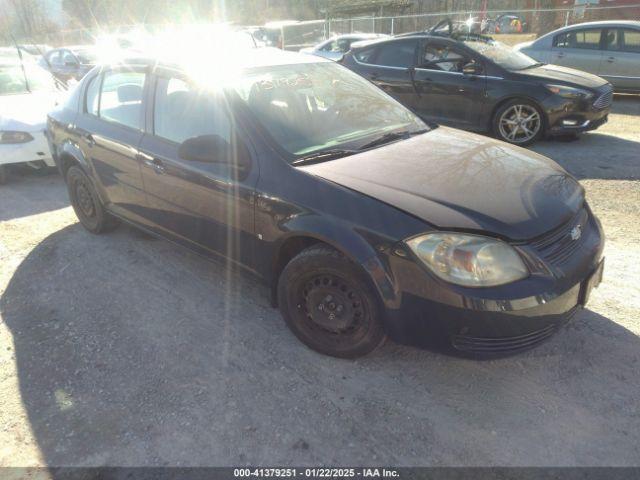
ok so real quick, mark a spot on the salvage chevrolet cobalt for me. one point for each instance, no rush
(364, 221)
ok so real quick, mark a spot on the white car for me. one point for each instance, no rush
(27, 93)
(335, 47)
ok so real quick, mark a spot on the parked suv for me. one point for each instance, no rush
(473, 82)
(364, 221)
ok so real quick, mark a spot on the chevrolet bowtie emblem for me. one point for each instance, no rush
(576, 232)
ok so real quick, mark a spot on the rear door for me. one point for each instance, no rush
(203, 203)
(580, 49)
(390, 65)
(444, 93)
(110, 131)
(621, 62)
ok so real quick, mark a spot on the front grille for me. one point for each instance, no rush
(557, 246)
(604, 100)
(515, 344)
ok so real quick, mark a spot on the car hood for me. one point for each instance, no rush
(26, 112)
(462, 181)
(520, 46)
(556, 73)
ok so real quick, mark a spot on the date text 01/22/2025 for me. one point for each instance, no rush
(316, 472)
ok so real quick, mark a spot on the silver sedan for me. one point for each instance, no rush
(609, 49)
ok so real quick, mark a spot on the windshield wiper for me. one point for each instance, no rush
(323, 156)
(390, 137)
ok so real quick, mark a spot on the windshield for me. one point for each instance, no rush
(502, 54)
(12, 79)
(314, 106)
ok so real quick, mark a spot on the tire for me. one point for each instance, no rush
(86, 203)
(512, 116)
(329, 305)
(3, 174)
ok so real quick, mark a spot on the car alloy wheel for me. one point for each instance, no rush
(519, 123)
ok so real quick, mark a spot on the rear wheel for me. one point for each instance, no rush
(518, 121)
(328, 304)
(87, 204)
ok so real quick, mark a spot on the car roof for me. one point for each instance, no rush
(602, 23)
(247, 58)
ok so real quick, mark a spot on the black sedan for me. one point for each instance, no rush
(69, 63)
(473, 82)
(363, 220)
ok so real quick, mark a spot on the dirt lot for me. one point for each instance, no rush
(125, 350)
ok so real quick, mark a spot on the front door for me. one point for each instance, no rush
(110, 130)
(206, 204)
(445, 94)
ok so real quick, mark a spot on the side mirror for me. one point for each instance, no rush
(472, 68)
(215, 149)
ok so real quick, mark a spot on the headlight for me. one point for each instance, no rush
(569, 92)
(469, 260)
(15, 137)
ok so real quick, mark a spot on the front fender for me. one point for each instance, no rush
(364, 248)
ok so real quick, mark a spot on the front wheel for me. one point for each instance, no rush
(519, 121)
(328, 304)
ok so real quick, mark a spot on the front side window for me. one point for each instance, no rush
(631, 41)
(313, 106)
(396, 54)
(182, 111)
(438, 56)
(588, 39)
(121, 98)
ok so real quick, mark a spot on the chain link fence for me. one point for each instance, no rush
(519, 24)
(510, 26)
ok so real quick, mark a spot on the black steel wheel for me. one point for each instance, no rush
(328, 304)
(87, 204)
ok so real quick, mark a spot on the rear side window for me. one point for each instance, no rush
(631, 41)
(396, 54)
(183, 111)
(121, 98)
(92, 96)
(588, 39)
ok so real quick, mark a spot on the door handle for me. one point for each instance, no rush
(87, 137)
(560, 55)
(157, 165)
(611, 59)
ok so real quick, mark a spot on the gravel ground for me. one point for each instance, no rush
(125, 350)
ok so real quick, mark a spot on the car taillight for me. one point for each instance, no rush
(15, 137)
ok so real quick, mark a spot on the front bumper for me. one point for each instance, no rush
(499, 320)
(34, 150)
(568, 116)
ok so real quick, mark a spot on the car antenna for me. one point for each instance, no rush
(24, 72)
